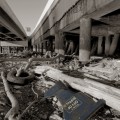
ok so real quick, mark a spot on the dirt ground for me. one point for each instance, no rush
(46, 110)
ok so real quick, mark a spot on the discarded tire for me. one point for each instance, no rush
(24, 78)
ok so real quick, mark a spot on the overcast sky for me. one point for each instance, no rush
(28, 12)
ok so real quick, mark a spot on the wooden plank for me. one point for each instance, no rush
(109, 94)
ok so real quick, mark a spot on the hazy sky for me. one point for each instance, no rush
(27, 11)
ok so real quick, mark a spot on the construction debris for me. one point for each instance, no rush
(74, 103)
(106, 70)
(96, 89)
(51, 108)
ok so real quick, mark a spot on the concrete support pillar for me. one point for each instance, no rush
(40, 47)
(94, 48)
(0, 49)
(44, 47)
(100, 47)
(61, 44)
(8, 49)
(107, 45)
(85, 40)
(114, 44)
(70, 47)
(56, 42)
(53, 45)
(24, 48)
(49, 47)
(34, 48)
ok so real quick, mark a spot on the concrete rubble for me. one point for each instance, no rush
(107, 69)
(50, 109)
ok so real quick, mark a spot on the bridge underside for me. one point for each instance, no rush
(12, 38)
(86, 28)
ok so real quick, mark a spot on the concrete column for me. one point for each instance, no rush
(70, 49)
(114, 44)
(85, 40)
(0, 49)
(44, 47)
(34, 48)
(94, 47)
(57, 42)
(100, 47)
(107, 45)
(8, 49)
(24, 48)
(40, 47)
(37, 47)
(53, 46)
(61, 44)
(49, 45)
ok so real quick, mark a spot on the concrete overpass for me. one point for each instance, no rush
(12, 33)
(83, 27)
(81, 21)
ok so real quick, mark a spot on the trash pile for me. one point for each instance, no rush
(105, 70)
(51, 109)
(29, 95)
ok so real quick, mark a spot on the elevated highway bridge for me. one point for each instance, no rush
(83, 27)
(12, 34)
(80, 27)
(81, 21)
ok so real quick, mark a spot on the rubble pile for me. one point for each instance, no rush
(106, 70)
(25, 95)
(51, 109)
